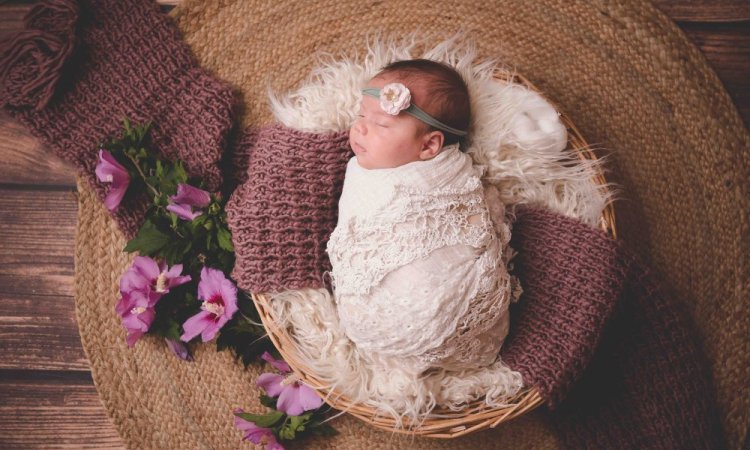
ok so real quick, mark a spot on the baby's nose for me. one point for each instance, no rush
(360, 126)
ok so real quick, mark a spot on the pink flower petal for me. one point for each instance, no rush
(177, 281)
(254, 433)
(147, 267)
(278, 364)
(174, 272)
(137, 324)
(195, 325)
(114, 196)
(108, 170)
(205, 285)
(178, 349)
(215, 288)
(297, 398)
(307, 397)
(187, 198)
(190, 195)
(210, 331)
(271, 383)
(184, 212)
(133, 336)
(132, 280)
(123, 305)
(141, 321)
(287, 401)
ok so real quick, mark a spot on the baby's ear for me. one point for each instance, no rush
(431, 145)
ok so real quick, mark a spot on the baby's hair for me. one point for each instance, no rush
(437, 89)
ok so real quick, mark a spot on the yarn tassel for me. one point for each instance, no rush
(32, 61)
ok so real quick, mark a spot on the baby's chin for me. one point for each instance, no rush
(362, 161)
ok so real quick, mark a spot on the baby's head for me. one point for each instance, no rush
(392, 130)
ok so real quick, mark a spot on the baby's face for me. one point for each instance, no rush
(381, 140)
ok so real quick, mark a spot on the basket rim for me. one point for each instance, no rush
(442, 423)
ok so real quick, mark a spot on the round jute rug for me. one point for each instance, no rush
(624, 73)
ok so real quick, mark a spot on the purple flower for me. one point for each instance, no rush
(219, 297)
(137, 314)
(146, 275)
(295, 397)
(278, 364)
(255, 434)
(179, 349)
(186, 199)
(108, 170)
(141, 287)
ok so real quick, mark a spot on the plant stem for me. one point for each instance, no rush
(138, 168)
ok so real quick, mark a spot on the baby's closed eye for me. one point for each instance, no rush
(380, 124)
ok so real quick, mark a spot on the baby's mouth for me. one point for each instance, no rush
(357, 148)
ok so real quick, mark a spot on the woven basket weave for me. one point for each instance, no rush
(443, 423)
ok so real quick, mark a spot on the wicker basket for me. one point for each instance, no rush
(442, 423)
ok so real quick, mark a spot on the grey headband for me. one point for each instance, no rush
(403, 103)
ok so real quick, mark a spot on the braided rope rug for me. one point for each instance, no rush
(623, 72)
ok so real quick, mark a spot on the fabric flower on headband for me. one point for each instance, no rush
(394, 98)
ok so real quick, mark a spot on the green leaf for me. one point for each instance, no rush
(323, 429)
(297, 423)
(247, 341)
(200, 220)
(159, 169)
(180, 174)
(262, 420)
(148, 241)
(286, 433)
(267, 401)
(225, 239)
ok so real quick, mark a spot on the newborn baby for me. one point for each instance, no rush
(418, 270)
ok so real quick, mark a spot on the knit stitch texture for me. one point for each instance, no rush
(283, 214)
(612, 354)
(125, 60)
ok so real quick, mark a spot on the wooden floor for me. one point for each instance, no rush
(47, 397)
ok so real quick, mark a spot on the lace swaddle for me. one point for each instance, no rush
(418, 271)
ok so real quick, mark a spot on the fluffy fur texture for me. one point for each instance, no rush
(519, 137)
(311, 318)
(515, 132)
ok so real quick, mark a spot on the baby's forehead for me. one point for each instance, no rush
(372, 105)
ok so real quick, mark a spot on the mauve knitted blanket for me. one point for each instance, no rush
(613, 355)
(81, 67)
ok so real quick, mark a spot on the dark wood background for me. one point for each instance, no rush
(47, 396)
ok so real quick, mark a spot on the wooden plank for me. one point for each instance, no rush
(26, 161)
(53, 410)
(37, 316)
(11, 18)
(727, 49)
(705, 10)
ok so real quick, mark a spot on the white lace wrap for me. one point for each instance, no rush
(419, 272)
